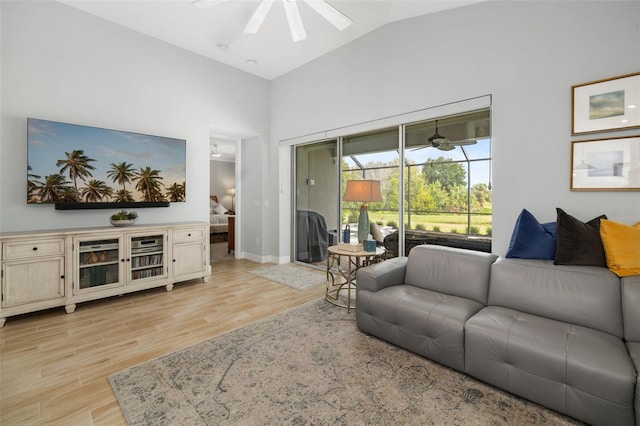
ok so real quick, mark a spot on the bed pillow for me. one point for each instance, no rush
(621, 247)
(219, 209)
(531, 239)
(579, 243)
(212, 205)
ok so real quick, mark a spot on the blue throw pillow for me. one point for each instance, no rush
(532, 239)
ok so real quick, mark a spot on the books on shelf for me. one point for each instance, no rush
(146, 273)
(146, 260)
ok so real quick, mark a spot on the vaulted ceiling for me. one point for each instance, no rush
(216, 30)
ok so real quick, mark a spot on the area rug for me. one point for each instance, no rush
(311, 365)
(291, 275)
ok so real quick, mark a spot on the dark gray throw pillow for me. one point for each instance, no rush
(578, 243)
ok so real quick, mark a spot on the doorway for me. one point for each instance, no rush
(223, 198)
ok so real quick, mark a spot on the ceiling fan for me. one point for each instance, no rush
(296, 28)
(443, 144)
(214, 152)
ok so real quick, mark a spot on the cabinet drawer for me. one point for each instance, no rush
(188, 235)
(29, 249)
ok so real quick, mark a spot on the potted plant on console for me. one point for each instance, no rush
(123, 218)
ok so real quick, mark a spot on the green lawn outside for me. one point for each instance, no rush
(442, 222)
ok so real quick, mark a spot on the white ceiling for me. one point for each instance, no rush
(203, 31)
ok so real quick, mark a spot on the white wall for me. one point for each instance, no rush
(62, 64)
(526, 54)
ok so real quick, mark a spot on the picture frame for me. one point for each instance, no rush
(611, 164)
(605, 105)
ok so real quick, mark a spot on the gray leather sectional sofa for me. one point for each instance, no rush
(566, 337)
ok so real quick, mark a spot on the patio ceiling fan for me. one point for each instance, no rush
(443, 144)
(296, 28)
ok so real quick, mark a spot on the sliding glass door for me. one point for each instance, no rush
(316, 206)
(435, 187)
(373, 156)
(448, 182)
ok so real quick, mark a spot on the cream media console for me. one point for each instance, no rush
(47, 269)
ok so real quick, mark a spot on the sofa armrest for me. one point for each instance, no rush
(380, 275)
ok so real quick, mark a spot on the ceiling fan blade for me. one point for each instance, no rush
(295, 21)
(464, 142)
(258, 17)
(330, 13)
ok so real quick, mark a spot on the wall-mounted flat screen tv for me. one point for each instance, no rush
(76, 167)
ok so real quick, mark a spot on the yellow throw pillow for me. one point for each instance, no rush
(622, 247)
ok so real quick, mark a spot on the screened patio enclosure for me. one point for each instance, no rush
(435, 180)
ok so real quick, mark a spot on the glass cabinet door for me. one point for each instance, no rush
(148, 257)
(99, 263)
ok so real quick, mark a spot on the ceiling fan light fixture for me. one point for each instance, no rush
(215, 153)
(438, 139)
(330, 13)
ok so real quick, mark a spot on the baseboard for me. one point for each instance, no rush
(263, 259)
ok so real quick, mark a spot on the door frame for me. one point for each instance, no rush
(237, 142)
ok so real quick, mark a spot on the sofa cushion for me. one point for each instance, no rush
(575, 370)
(621, 247)
(531, 239)
(584, 295)
(631, 307)
(458, 272)
(578, 243)
(426, 322)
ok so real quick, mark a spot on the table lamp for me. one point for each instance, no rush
(232, 192)
(363, 191)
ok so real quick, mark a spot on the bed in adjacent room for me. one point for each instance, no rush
(218, 221)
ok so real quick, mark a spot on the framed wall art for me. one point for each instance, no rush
(604, 105)
(606, 164)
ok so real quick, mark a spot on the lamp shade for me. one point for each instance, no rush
(231, 191)
(364, 191)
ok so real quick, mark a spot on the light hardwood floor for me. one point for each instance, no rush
(54, 366)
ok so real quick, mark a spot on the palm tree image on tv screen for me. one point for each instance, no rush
(70, 163)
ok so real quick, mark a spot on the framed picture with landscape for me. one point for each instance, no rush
(606, 164)
(604, 105)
